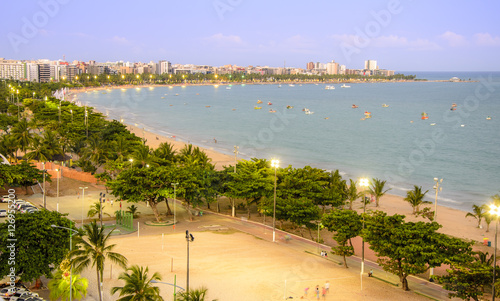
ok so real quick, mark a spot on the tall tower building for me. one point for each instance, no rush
(371, 65)
(310, 66)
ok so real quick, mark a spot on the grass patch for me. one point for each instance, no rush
(386, 281)
(427, 296)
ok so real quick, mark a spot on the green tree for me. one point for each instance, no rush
(468, 279)
(22, 134)
(94, 251)
(27, 175)
(416, 198)
(408, 248)
(198, 294)
(377, 189)
(134, 210)
(60, 286)
(97, 209)
(345, 224)
(478, 212)
(38, 246)
(138, 285)
(352, 193)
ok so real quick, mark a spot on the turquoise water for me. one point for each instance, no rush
(461, 146)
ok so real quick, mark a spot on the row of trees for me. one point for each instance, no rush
(304, 194)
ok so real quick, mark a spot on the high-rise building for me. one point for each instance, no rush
(332, 68)
(44, 73)
(32, 72)
(164, 67)
(371, 65)
(310, 66)
(12, 69)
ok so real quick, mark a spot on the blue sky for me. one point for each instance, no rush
(401, 35)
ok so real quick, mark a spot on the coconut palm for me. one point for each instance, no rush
(22, 134)
(193, 295)
(97, 209)
(352, 193)
(377, 189)
(416, 198)
(478, 212)
(60, 286)
(138, 285)
(94, 251)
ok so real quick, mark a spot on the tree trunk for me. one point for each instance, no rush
(38, 283)
(155, 210)
(345, 262)
(404, 283)
(169, 212)
(99, 284)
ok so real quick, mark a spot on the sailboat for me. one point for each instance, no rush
(424, 116)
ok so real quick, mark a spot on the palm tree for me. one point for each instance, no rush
(416, 198)
(95, 251)
(60, 286)
(138, 286)
(22, 135)
(193, 295)
(97, 209)
(478, 213)
(352, 193)
(134, 210)
(377, 189)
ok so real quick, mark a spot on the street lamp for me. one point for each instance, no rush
(437, 188)
(174, 285)
(235, 156)
(58, 176)
(71, 231)
(495, 212)
(363, 182)
(131, 161)
(175, 188)
(83, 198)
(189, 238)
(44, 191)
(275, 164)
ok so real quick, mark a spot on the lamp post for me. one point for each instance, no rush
(58, 176)
(131, 161)
(83, 198)
(44, 191)
(275, 164)
(175, 190)
(189, 238)
(71, 231)
(437, 188)
(363, 182)
(495, 212)
(174, 285)
(235, 157)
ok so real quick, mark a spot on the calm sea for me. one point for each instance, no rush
(460, 146)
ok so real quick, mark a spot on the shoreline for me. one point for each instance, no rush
(453, 220)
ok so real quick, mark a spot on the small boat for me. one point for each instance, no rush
(177, 94)
(257, 108)
(228, 88)
(433, 123)
(424, 116)
(207, 106)
(329, 88)
(385, 105)
(272, 111)
(259, 101)
(289, 107)
(163, 97)
(453, 107)
(307, 111)
(368, 114)
(279, 86)
(327, 118)
(291, 85)
(345, 86)
(269, 103)
(354, 106)
(488, 118)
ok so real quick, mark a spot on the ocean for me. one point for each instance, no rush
(460, 146)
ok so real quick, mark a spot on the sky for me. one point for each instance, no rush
(401, 35)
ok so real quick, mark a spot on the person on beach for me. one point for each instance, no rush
(323, 293)
(305, 291)
(327, 286)
(317, 292)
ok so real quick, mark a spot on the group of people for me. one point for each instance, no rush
(324, 290)
(324, 254)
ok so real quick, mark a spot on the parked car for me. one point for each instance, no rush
(4, 199)
(23, 295)
(7, 294)
(25, 208)
(3, 213)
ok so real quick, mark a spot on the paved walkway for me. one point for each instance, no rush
(73, 206)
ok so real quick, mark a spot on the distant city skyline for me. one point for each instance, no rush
(398, 34)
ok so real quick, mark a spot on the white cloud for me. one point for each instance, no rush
(485, 39)
(120, 40)
(391, 41)
(454, 39)
(224, 40)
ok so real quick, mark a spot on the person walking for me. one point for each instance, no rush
(317, 292)
(323, 293)
(327, 286)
